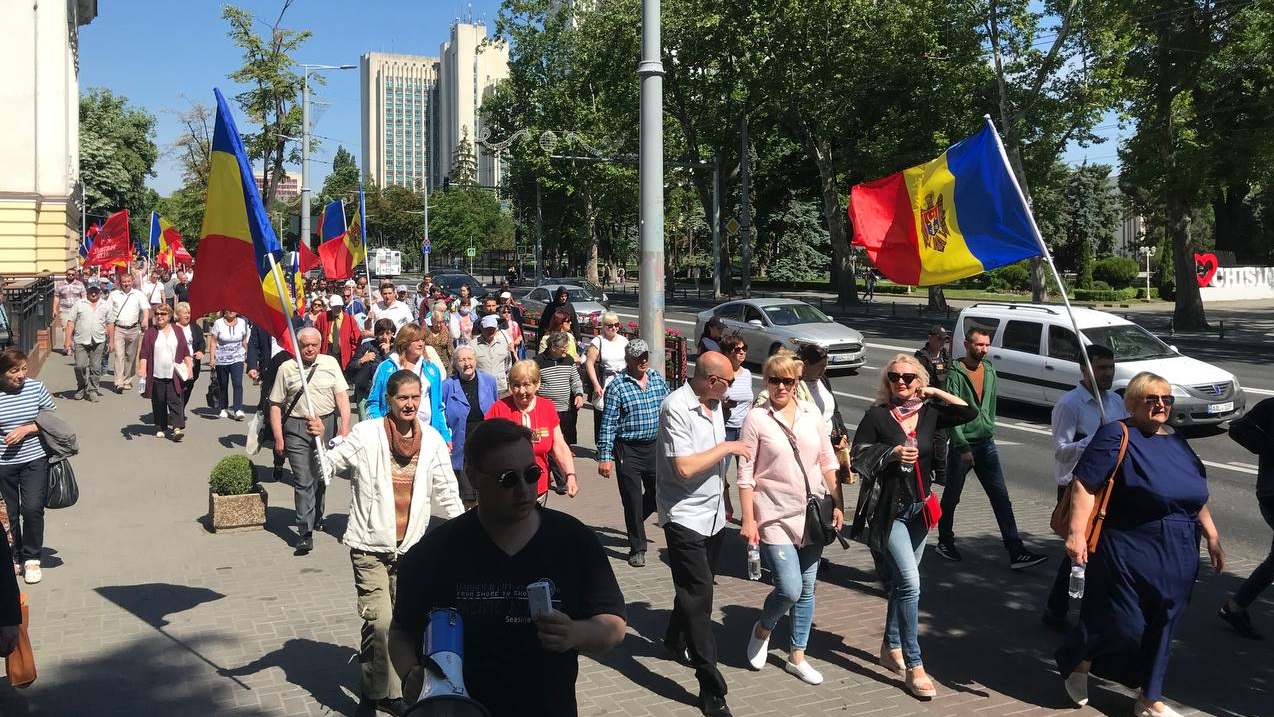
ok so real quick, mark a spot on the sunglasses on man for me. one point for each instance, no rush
(530, 475)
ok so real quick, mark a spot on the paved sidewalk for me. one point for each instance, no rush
(142, 611)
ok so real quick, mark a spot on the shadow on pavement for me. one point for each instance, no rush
(649, 625)
(318, 668)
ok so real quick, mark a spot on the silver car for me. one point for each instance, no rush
(587, 305)
(770, 324)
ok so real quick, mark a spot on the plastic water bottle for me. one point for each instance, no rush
(754, 562)
(1076, 589)
(909, 468)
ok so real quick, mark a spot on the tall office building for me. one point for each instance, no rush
(468, 72)
(397, 94)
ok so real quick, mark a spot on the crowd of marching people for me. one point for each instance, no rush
(434, 406)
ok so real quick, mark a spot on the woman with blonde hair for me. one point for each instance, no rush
(788, 458)
(604, 358)
(1139, 580)
(525, 408)
(411, 352)
(893, 456)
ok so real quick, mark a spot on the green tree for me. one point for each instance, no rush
(1092, 209)
(273, 100)
(465, 218)
(464, 163)
(117, 154)
(801, 246)
(342, 183)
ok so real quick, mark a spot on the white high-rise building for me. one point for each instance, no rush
(468, 71)
(397, 97)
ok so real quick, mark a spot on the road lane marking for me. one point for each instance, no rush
(1261, 391)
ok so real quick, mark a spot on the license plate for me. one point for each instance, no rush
(843, 358)
(1221, 407)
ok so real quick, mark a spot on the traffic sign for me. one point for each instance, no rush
(732, 226)
(424, 246)
(471, 252)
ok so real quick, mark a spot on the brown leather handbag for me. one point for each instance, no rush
(20, 664)
(1060, 521)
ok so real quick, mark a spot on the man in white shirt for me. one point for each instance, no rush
(86, 333)
(129, 314)
(1076, 419)
(689, 477)
(389, 307)
(152, 288)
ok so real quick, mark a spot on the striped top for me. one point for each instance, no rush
(559, 381)
(17, 409)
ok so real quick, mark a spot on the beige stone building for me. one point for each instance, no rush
(39, 147)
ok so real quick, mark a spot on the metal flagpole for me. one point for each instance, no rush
(362, 230)
(1048, 259)
(319, 448)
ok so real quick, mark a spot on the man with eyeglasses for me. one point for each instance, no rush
(1076, 418)
(690, 466)
(626, 441)
(973, 379)
(481, 563)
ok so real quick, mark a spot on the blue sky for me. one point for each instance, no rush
(164, 54)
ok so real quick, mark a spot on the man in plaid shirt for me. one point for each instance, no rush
(626, 444)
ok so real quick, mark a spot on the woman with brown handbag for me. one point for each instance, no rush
(1139, 577)
(893, 448)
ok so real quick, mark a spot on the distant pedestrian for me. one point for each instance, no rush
(467, 395)
(163, 366)
(690, 470)
(561, 302)
(604, 358)
(389, 307)
(399, 472)
(85, 332)
(973, 379)
(298, 424)
(24, 464)
(229, 352)
(361, 369)
(737, 403)
(869, 283)
(129, 314)
(411, 352)
(198, 344)
(66, 294)
(564, 321)
(936, 358)
(711, 338)
(437, 333)
(493, 353)
(629, 425)
(524, 407)
(623, 276)
(560, 383)
(1255, 432)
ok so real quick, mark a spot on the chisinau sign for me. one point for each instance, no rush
(1232, 283)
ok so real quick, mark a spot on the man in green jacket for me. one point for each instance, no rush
(973, 446)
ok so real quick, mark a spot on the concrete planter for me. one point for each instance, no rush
(231, 513)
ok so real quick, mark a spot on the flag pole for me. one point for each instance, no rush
(1048, 259)
(305, 384)
(362, 232)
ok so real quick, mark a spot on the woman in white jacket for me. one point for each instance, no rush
(399, 470)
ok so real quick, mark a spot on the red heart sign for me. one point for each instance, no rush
(1205, 266)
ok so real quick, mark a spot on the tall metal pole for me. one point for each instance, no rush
(745, 209)
(651, 172)
(716, 227)
(305, 155)
(539, 236)
(423, 254)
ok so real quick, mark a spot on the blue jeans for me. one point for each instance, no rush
(230, 376)
(1263, 576)
(795, 573)
(902, 553)
(986, 465)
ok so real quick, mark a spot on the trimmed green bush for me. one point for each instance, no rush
(1014, 277)
(1118, 271)
(1100, 286)
(1105, 295)
(232, 476)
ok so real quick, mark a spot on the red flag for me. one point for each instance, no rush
(309, 259)
(111, 246)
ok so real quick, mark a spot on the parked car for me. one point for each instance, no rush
(770, 324)
(593, 288)
(587, 303)
(450, 280)
(1036, 357)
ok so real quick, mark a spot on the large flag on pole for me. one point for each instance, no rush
(956, 216)
(306, 258)
(237, 242)
(338, 256)
(111, 246)
(165, 241)
(89, 234)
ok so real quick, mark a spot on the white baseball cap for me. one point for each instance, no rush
(335, 300)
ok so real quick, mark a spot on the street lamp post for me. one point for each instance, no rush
(1148, 252)
(305, 142)
(650, 71)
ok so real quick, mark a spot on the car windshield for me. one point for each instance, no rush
(792, 314)
(1130, 342)
(580, 294)
(452, 282)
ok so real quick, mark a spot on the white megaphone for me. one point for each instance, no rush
(443, 693)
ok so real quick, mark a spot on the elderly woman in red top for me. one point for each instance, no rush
(524, 408)
(164, 364)
(788, 456)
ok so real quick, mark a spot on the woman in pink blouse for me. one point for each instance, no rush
(772, 493)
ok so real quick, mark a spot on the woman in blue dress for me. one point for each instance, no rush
(1140, 577)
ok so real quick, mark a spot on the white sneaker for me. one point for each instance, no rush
(238, 415)
(31, 572)
(223, 414)
(758, 649)
(803, 670)
(1140, 710)
(1077, 688)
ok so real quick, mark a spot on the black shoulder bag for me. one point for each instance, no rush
(819, 511)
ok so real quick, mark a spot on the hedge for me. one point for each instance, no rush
(1106, 295)
(1118, 271)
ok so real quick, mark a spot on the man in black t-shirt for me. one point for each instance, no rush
(481, 564)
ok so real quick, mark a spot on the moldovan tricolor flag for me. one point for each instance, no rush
(338, 259)
(111, 245)
(237, 241)
(165, 240)
(956, 216)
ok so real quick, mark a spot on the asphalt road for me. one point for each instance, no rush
(1024, 438)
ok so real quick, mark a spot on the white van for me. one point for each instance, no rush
(1036, 358)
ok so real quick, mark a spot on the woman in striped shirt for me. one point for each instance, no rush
(24, 466)
(560, 382)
